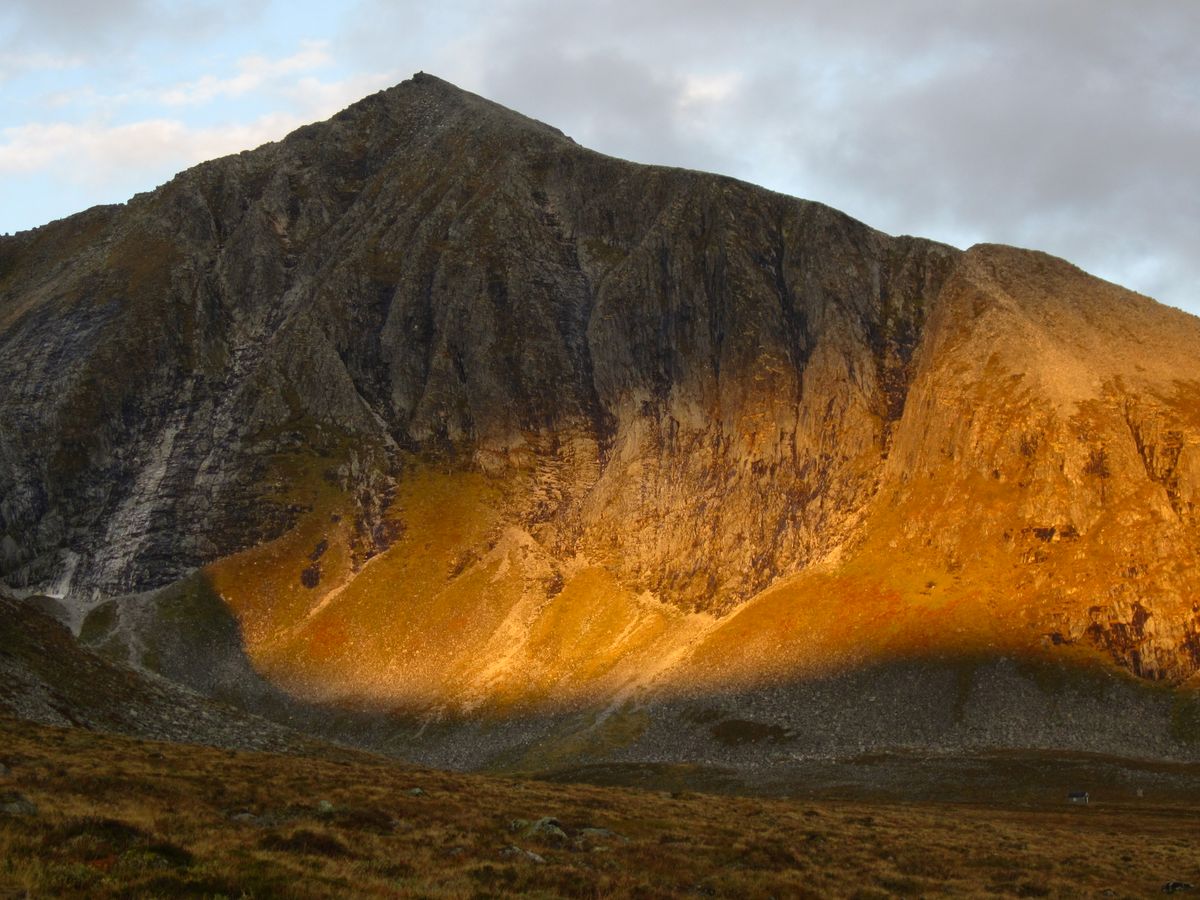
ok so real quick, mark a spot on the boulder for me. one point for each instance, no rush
(13, 804)
(512, 851)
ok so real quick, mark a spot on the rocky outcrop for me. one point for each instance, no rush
(447, 408)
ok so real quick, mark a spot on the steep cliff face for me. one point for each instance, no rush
(1061, 412)
(448, 410)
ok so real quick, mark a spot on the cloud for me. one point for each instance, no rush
(613, 103)
(703, 89)
(12, 62)
(1075, 136)
(254, 72)
(1072, 126)
(88, 28)
(98, 153)
(37, 36)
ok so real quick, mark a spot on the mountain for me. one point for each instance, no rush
(433, 413)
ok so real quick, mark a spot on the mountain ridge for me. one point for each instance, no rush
(454, 415)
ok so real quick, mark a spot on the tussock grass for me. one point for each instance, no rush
(119, 817)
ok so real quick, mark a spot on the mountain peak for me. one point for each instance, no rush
(432, 102)
(446, 411)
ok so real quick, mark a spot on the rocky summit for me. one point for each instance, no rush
(429, 413)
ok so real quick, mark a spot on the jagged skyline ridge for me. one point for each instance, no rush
(1066, 127)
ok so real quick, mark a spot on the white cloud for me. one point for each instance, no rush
(254, 73)
(317, 99)
(100, 153)
(13, 62)
(706, 89)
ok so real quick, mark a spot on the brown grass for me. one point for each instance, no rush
(120, 817)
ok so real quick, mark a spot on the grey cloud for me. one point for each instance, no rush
(89, 28)
(1076, 148)
(381, 32)
(607, 102)
(1071, 125)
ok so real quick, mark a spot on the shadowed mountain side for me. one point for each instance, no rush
(47, 676)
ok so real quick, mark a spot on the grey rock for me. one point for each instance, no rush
(547, 829)
(275, 287)
(104, 694)
(718, 384)
(597, 840)
(14, 804)
(512, 851)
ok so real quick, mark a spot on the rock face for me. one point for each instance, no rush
(448, 410)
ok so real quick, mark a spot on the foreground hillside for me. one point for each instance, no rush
(86, 815)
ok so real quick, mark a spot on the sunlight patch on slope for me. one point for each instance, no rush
(468, 612)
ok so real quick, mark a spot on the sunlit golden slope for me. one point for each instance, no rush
(1037, 502)
(464, 608)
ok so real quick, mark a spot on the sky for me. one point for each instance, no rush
(1071, 126)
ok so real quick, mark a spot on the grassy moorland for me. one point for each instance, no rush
(91, 815)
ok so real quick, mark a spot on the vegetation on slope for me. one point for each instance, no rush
(86, 815)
